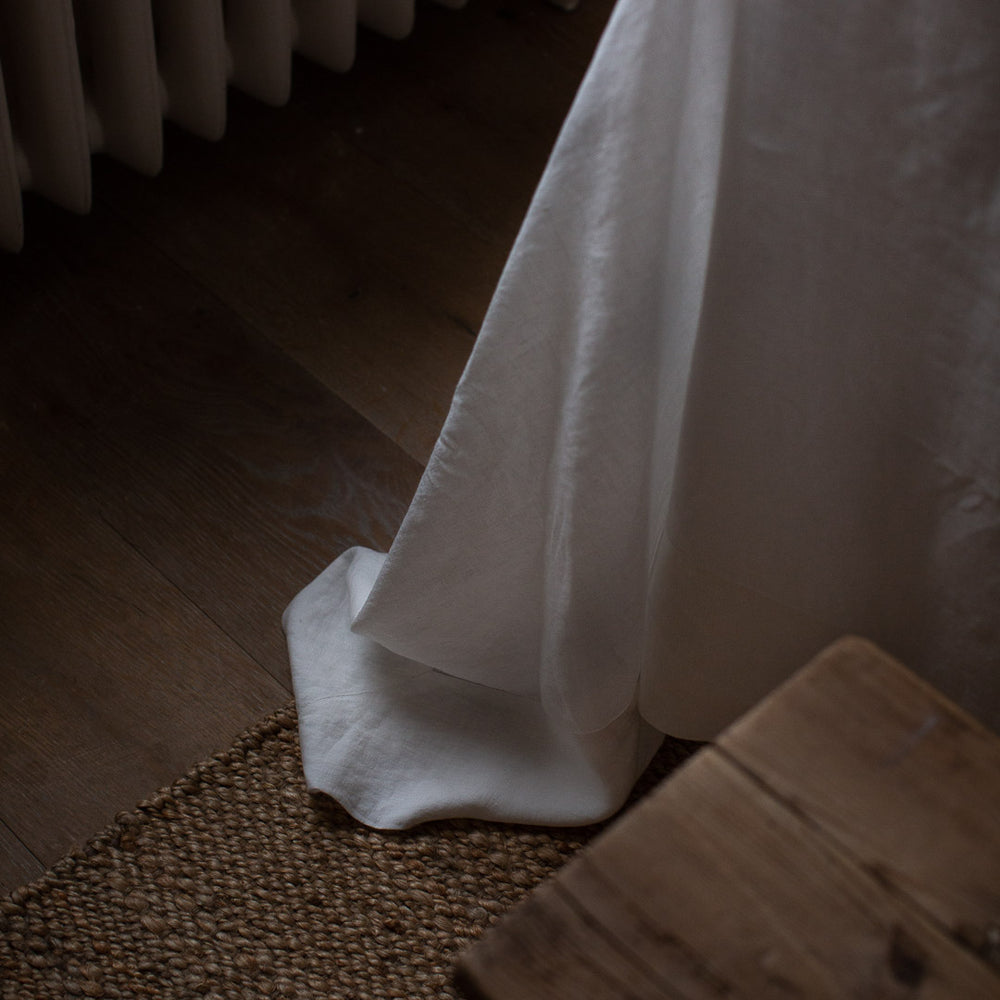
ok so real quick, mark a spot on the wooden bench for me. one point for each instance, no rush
(840, 840)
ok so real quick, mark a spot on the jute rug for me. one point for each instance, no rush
(235, 882)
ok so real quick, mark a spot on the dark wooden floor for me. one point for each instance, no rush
(223, 377)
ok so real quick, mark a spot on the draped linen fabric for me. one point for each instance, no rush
(737, 394)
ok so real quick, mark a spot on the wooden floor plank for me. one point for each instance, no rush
(399, 188)
(487, 92)
(225, 465)
(18, 865)
(179, 475)
(113, 681)
(311, 285)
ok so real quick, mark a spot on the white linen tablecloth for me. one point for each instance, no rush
(738, 394)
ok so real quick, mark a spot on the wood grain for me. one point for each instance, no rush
(236, 475)
(722, 884)
(907, 782)
(85, 615)
(18, 865)
(197, 381)
(397, 190)
(315, 292)
(489, 91)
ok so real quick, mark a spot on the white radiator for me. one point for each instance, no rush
(85, 76)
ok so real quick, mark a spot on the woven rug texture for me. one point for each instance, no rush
(236, 883)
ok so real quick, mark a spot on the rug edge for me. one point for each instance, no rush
(281, 719)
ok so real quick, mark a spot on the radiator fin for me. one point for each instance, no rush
(261, 38)
(79, 77)
(117, 53)
(45, 102)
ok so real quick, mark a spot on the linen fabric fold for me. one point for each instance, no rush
(737, 394)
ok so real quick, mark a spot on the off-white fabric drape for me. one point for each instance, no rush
(738, 393)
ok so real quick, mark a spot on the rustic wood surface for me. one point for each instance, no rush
(227, 374)
(903, 780)
(834, 843)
